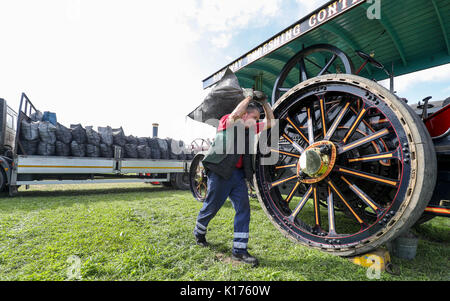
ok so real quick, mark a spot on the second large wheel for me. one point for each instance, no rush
(197, 178)
(353, 166)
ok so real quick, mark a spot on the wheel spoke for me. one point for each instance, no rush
(337, 121)
(291, 194)
(302, 69)
(285, 153)
(316, 207)
(331, 184)
(328, 65)
(300, 206)
(380, 121)
(355, 124)
(377, 157)
(296, 128)
(367, 176)
(363, 141)
(331, 215)
(310, 125)
(323, 114)
(286, 166)
(279, 182)
(294, 144)
(364, 197)
(314, 63)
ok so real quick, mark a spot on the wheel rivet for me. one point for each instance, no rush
(405, 150)
(406, 160)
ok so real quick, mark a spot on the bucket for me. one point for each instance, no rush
(405, 246)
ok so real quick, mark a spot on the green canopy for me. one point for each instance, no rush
(408, 36)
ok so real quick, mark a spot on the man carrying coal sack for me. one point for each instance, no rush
(228, 164)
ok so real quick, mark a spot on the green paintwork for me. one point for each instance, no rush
(416, 37)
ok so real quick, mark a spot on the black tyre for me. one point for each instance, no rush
(197, 178)
(167, 184)
(180, 181)
(2, 180)
(349, 146)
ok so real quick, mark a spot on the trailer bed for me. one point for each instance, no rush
(36, 170)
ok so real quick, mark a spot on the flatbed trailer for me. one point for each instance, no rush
(17, 168)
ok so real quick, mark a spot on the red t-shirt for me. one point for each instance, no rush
(223, 126)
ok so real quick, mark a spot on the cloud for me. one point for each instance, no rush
(219, 21)
(104, 62)
(307, 6)
(433, 75)
(222, 40)
(226, 16)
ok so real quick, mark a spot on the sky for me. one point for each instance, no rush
(136, 62)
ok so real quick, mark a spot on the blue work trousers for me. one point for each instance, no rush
(219, 190)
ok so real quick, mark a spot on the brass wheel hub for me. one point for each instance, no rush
(316, 162)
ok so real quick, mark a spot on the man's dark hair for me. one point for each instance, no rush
(253, 106)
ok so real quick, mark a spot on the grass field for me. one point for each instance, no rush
(143, 232)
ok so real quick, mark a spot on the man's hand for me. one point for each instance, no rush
(260, 97)
(248, 93)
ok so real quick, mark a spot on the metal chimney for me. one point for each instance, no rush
(155, 130)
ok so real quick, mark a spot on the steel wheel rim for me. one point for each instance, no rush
(331, 238)
(300, 60)
(198, 180)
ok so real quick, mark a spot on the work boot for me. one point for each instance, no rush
(246, 258)
(201, 240)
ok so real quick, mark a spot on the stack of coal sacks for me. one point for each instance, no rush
(29, 136)
(38, 135)
(93, 143)
(43, 135)
(79, 138)
(63, 140)
(47, 136)
(106, 142)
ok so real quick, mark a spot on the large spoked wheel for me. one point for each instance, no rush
(354, 166)
(310, 62)
(198, 179)
(200, 145)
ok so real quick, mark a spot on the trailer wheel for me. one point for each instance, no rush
(197, 178)
(351, 148)
(2, 181)
(180, 181)
(166, 184)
